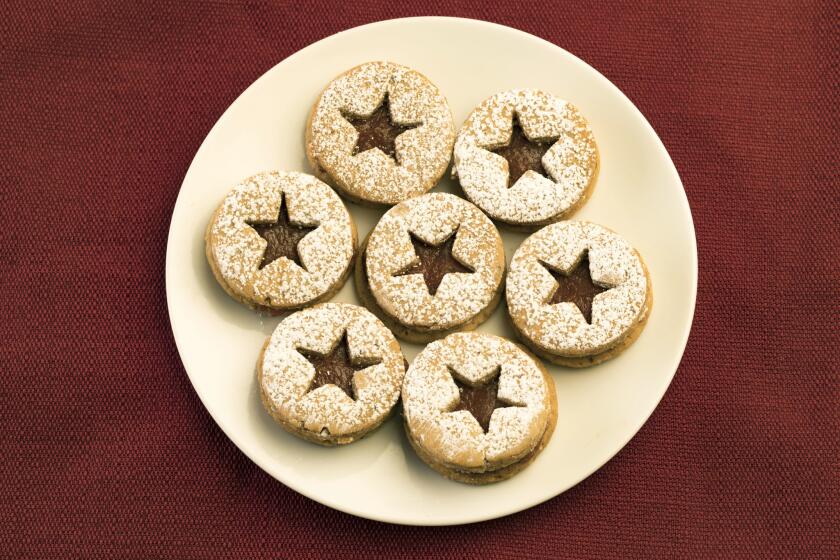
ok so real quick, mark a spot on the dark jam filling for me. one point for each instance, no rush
(282, 237)
(435, 262)
(378, 130)
(523, 154)
(479, 400)
(576, 287)
(335, 367)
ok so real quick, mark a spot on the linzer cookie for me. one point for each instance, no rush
(380, 133)
(578, 294)
(526, 158)
(281, 241)
(478, 408)
(433, 264)
(330, 373)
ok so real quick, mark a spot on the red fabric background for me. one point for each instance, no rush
(105, 450)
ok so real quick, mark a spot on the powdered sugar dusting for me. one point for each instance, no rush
(561, 328)
(287, 375)
(455, 438)
(237, 249)
(433, 218)
(423, 152)
(571, 161)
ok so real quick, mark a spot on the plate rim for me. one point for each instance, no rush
(524, 35)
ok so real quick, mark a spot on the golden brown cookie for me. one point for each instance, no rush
(478, 408)
(526, 158)
(578, 293)
(331, 373)
(432, 265)
(281, 240)
(380, 133)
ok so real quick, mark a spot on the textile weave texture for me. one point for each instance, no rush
(106, 451)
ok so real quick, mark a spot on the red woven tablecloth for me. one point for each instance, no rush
(105, 450)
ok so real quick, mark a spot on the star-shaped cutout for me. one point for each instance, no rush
(523, 154)
(282, 236)
(576, 286)
(336, 367)
(436, 261)
(480, 399)
(378, 130)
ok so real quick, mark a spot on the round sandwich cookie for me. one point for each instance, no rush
(331, 373)
(281, 240)
(432, 265)
(578, 293)
(478, 408)
(526, 158)
(380, 133)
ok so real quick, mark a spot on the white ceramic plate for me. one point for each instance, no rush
(638, 194)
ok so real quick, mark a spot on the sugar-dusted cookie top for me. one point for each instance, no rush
(526, 157)
(281, 240)
(381, 133)
(331, 371)
(455, 383)
(434, 261)
(568, 311)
